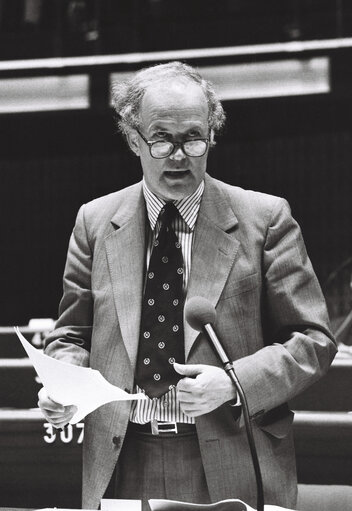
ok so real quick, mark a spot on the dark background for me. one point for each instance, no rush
(49, 28)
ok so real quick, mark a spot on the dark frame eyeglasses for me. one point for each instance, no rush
(164, 148)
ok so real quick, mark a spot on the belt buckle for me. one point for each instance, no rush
(158, 427)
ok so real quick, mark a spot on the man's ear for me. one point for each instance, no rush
(133, 142)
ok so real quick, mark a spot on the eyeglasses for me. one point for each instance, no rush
(164, 148)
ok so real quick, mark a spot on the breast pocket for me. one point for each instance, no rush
(239, 315)
(243, 285)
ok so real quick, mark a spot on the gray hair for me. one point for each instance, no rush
(127, 96)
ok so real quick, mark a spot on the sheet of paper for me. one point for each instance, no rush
(74, 385)
(175, 505)
(62, 509)
(222, 505)
(120, 505)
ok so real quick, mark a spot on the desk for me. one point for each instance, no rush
(34, 471)
(47, 472)
(323, 443)
(19, 383)
(331, 393)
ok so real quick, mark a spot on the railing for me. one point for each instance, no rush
(238, 72)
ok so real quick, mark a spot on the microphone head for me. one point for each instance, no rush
(199, 312)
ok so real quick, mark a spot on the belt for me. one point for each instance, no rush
(156, 427)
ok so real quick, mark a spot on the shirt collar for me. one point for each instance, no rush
(188, 207)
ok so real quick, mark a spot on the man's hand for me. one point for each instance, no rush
(203, 388)
(55, 413)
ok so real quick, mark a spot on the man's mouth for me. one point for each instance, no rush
(176, 174)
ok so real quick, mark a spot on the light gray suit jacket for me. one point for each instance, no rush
(249, 259)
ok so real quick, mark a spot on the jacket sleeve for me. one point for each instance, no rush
(71, 339)
(301, 346)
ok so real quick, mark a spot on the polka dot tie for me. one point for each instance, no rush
(161, 340)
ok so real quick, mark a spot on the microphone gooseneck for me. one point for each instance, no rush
(201, 315)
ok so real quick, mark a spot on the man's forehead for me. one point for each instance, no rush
(174, 99)
(169, 90)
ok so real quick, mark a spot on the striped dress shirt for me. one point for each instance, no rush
(167, 407)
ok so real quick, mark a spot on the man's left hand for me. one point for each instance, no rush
(203, 388)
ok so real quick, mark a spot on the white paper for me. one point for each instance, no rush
(222, 505)
(120, 505)
(69, 384)
(62, 509)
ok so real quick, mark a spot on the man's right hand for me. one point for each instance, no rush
(59, 415)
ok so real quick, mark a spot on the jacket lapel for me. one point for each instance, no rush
(213, 255)
(125, 249)
(214, 250)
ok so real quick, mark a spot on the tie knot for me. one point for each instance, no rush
(168, 213)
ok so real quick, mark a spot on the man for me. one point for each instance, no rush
(240, 249)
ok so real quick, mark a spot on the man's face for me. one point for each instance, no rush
(175, 112)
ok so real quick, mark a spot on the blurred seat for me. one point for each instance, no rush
(338, 294)
(19, 383)
(39, 466)
(333, 392)
(35, 332)
(10, 346)
(323, 443)
(321, 497)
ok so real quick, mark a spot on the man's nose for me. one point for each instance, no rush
(178, 154)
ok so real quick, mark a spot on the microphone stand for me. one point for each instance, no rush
(228, 367)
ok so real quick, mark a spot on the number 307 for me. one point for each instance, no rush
(66, 436)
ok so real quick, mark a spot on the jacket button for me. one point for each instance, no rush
(116, 440)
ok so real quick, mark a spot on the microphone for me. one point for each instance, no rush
(201, 315)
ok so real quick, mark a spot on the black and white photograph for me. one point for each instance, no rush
(176, 255)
